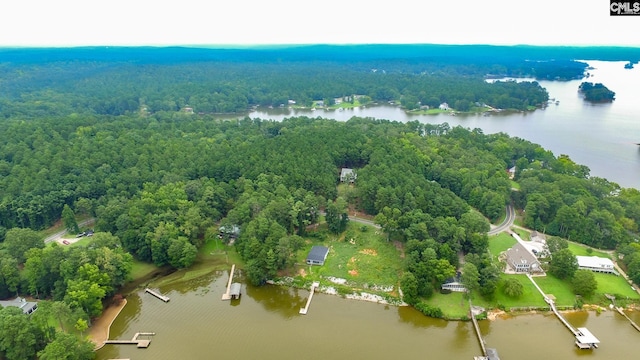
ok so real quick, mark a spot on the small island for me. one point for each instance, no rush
(596, 92)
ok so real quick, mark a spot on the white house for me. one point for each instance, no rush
(596, 264)
(444, 106)
(348, 175)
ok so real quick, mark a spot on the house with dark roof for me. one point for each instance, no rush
(28, 307)
(317, 255)
(521, 260)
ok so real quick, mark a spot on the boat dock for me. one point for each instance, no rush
(140, 343)
(233, 289)
(488, 353)
(158, 295)
(304, 310)
(633, 323)
(584, 338)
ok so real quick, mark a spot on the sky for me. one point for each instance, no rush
(250, 22)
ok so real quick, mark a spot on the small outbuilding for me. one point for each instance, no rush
(317, 255)
(234, 290)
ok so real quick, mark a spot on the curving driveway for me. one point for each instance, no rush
(506, 224)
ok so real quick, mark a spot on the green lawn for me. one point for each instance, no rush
(581, 250)
(453, 305)
(615, 285)
(531, 297)
(560, 289)
(514, 185)
(499, 243)
(141, 269)
(359, 257)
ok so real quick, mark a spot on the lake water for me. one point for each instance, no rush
(265, 324)
(602, 136)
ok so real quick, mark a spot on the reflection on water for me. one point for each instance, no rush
(265, 324)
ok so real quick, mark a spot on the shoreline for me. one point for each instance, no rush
(100, 329)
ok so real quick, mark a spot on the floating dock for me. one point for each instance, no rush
(584, 338)
(304, 310)
(158, 295)
(227, 294)
(140, 343)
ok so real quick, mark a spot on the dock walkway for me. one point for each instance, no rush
(141, 343)
(633, 323)
(584, 338)
(158, 295)
(304, 310)
(227, 294)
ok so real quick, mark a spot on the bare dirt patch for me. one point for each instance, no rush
(371, 252)
(352, 260)
(353, 272)
(400, 248)
(302, 273)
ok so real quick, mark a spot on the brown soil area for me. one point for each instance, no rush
(99, 332)
(369, 252)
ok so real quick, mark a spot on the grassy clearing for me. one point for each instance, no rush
(453, 305)
(514, 185)
(582, 250)
(531, 297)
(524, 234)
(141, 269)
(499, 243)
(363, 258)
(615, 285)
(560, 289)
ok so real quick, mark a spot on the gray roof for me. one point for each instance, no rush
(519, 254)
(235, 289)
(26, 306)
(318, 253)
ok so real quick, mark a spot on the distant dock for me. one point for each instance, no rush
(233, 289)
(304, 310)
(158, 295)
(140, 343)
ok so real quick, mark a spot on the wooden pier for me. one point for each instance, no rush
(488, 353)
(304, 310)
(158, 295)
(140, 343)
(633, 323)
(584, 338)
(227, 294)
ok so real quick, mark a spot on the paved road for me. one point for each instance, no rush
(507, 223)
(60, 234)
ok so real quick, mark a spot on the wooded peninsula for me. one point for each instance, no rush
(130, 137)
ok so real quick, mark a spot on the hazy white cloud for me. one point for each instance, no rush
(145, 22)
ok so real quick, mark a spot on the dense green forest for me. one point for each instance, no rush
(107, 139)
